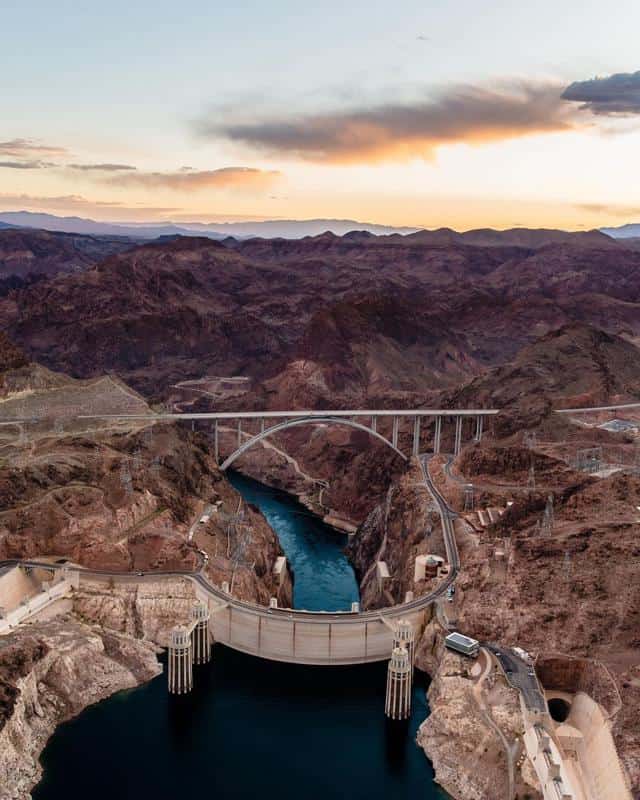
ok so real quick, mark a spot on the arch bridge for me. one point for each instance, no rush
(385, 425)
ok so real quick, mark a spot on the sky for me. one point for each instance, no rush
(427, 114)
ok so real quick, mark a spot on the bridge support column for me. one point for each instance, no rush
(458, 442)
(479, 422)
(438, 434)
(394, 432)
(262, 425)
(398, 699)
(416, 436)
(239, 432)
(374, 423)
(200, 638)
(180, 674)
(216, 443)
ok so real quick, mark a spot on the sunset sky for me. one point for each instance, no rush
(459, 114)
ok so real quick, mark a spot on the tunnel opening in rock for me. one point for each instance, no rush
(559, 709)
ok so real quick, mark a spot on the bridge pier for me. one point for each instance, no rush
(394, 432)
(180, 673)
(479, 422)
(416, 436)
(239, 432)
(458, 441)
(398, 697)
(438, 434)
(200, 637)
(374, 423)
(216, 442)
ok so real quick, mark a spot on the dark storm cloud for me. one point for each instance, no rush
(615, 94)
(403, 131)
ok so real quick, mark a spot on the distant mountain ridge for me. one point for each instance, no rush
(289, 229)
(629, 231)
(299, 229)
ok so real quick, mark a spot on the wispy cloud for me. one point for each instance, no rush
(31, 164)
(403, 131)
(617, 94)
(28, 148)
(189, 180)
(101, 167)
(77, 204)
(611, 210)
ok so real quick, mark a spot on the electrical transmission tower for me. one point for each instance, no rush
(125, 478)
(531, 480)
(546, 526)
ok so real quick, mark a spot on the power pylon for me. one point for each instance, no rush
(546, 527)
(125, 478)
(531, 480)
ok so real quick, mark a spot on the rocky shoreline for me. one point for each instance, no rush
(50, 671)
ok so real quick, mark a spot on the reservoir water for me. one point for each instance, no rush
(252, 728)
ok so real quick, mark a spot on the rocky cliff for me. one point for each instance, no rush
(472, 735)
(50, 672)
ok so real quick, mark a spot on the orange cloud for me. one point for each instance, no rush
(392, 131)
(189, 180)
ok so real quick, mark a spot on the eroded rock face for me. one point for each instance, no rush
(459, 736)
(403, 526)
(142, 611)
(571, 596)
(50, 672)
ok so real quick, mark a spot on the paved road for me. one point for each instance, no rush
(521, 676)
(208, 511)
(357, 412)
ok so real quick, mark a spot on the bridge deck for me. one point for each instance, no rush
(358, 412)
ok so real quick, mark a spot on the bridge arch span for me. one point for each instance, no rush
(305, 421)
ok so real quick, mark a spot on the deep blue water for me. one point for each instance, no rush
(324, 578)
(252, 728)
